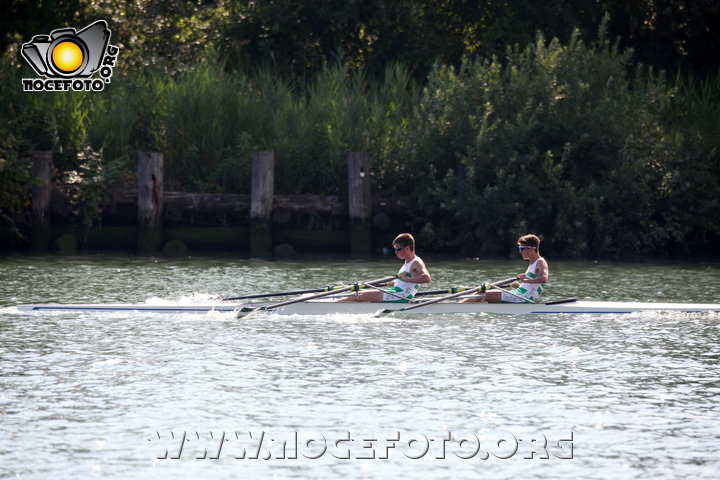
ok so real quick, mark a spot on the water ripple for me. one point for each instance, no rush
(639, 393)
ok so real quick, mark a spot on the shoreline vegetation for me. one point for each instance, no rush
(601, 156)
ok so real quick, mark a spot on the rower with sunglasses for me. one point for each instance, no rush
(411, 275)
(533, 280)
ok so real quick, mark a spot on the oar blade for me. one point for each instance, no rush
(247, 311)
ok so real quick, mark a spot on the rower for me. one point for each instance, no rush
(533, 280)
(411, 275)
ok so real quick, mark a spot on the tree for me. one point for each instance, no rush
(22, 19)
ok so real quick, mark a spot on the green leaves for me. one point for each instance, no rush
(559, 135)
(554, 138)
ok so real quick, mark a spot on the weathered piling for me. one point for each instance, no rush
(261, 202)
(260, 220)
(150, 203)
(42, 167)
(359, 203)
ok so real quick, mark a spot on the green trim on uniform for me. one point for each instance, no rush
(398, 291)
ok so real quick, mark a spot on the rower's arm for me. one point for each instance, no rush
(542, 272)
(419, 274)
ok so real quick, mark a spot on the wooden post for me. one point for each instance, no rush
(150, 198)
(359, 202)
(261, 202)
(42, 167)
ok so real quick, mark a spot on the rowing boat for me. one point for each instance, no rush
(325, 306)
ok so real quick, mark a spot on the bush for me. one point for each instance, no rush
(569, 140)
(557, 139)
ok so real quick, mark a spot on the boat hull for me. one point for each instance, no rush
(326, 307)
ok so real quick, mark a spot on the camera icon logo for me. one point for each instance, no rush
(68, 54)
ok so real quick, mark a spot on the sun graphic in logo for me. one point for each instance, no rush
(67, 56)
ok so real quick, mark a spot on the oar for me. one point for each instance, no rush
(248, 310)
(438, 292)
(436, 300)
(282, 294)
(456, 289)
(385, 291)
(516, 295)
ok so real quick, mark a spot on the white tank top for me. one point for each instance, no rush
(531, 290)
(407, 287)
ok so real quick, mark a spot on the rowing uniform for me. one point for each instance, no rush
(529, 291)
(401, 288)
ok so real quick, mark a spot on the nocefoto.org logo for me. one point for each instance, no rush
(68, 59)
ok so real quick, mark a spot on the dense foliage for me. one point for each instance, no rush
(565, 134)
(296, 37)
(564, 140)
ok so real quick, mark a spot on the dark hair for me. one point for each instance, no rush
(529, 241)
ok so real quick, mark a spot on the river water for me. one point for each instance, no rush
(183, 396)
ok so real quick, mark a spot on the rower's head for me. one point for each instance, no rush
(529, 245)
(404, 241)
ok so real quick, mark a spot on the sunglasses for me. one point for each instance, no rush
(522, 247)
(397, 249)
